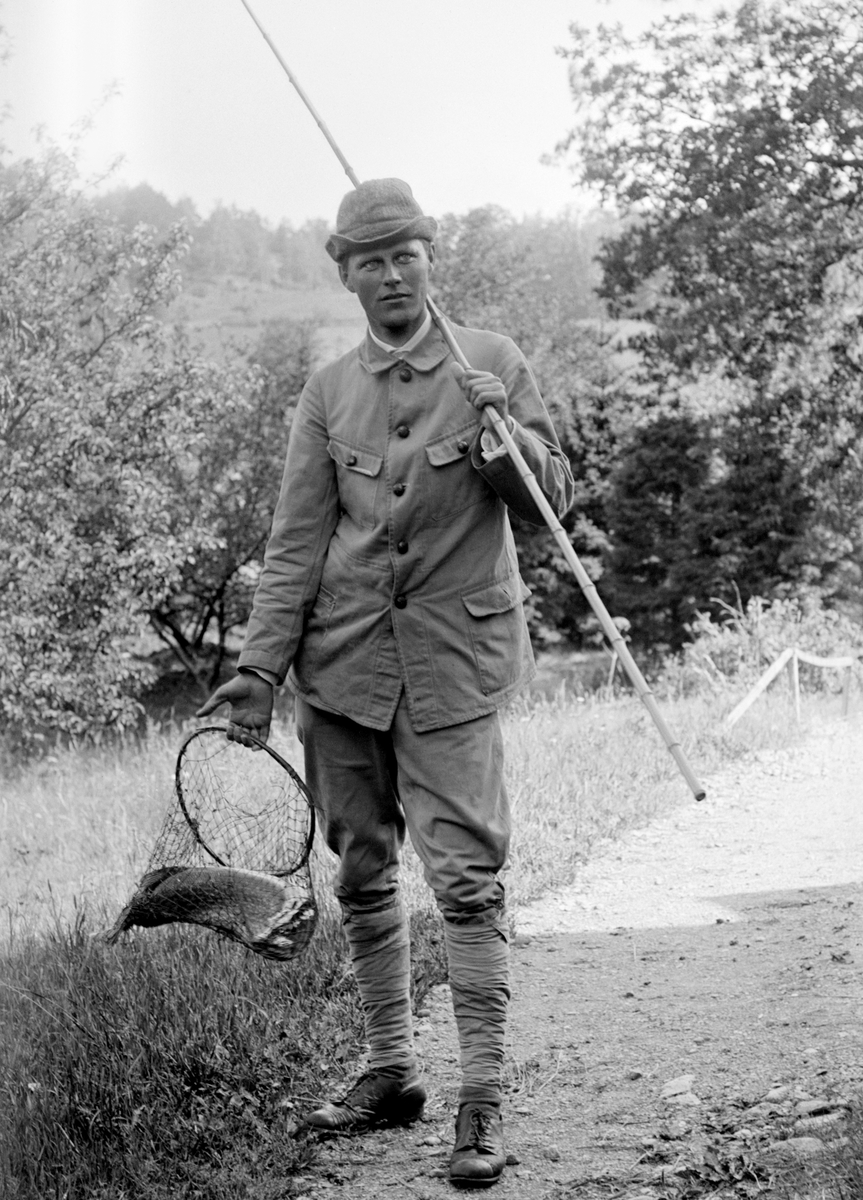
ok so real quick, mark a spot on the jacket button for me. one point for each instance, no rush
(406, 374)
(399, 489)
(351, 460)
(400, 601)
(403, 431)
(463, 447)
(402, 547)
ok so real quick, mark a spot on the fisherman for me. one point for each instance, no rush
(391, 600)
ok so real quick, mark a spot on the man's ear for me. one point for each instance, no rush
(343, 275)
(431, 255)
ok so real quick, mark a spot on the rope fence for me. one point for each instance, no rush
(790, 660)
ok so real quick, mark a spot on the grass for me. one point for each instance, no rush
(173, 1063)
(583, 772)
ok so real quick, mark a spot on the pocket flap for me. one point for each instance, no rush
(496, 597)
(451, 447)
(352, 458)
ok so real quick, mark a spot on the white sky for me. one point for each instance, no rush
(459, 97)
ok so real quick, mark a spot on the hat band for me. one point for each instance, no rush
(380, 234)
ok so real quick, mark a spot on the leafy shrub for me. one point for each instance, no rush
(734, 652)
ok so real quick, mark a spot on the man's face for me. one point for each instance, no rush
(392, 285)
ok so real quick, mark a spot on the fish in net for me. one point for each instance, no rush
(233, 851)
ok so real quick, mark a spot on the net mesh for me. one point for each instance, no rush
(233, 850)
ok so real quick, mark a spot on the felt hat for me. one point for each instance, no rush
(376, 214)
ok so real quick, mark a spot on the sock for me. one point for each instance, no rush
(479, 981)
(379, 945)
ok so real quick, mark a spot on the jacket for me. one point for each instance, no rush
(391, 563)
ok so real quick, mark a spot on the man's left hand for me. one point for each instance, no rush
(481, 388)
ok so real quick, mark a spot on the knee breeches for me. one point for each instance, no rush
(444, 786)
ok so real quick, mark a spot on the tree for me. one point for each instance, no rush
(95, 398)
(737, 143)
(532, 279)
(649, 508)
(733, 147)
(143, 205)
(228, 485)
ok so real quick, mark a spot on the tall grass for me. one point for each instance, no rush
(581, 772)
(173, 1064)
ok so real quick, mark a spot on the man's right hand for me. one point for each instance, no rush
(251, 701)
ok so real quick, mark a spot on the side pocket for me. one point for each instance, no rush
(317, 625)
(498, 632)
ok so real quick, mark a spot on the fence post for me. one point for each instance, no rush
(846, 691)
(612, 669)
(794, 674)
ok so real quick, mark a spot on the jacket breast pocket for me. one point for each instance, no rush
(454, 484)
(359, 475)
(498, 632)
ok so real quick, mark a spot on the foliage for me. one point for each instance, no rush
(656, 480)
(532, 279)
(738, 142)
(94, 398)
(699, 511)
(733, 145)
(229, 485)
(230, 241)
(138, 480)
(735, 651)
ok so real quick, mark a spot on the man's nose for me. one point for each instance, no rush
(392, 273)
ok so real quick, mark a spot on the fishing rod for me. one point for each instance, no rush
(498, 424)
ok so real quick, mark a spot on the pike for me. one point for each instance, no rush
(493, 418)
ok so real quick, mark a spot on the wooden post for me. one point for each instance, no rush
(767, 678)
(794, 673)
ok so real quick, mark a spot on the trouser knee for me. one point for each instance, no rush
(475, 917)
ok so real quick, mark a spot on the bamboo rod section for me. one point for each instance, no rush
(349, 171)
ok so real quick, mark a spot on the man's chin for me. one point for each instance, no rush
(400, 325)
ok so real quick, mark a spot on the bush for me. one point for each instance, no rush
(734, 652)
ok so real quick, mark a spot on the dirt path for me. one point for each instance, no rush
(720, 950)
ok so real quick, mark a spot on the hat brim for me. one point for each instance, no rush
(339, 247)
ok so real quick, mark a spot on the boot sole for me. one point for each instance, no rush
(464, 1181)
(405, 1111)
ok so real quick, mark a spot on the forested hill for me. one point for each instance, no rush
(242, 273)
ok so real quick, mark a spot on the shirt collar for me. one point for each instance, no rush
(409, 344)
(431, 351)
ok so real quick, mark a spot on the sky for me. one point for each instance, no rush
(462, 98)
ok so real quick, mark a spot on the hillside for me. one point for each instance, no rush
(230, 312)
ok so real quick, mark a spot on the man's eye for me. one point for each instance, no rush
(401, 259)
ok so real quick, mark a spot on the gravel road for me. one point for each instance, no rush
(722, 947)
(788, 819)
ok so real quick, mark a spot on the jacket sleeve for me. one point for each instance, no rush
(535, 437)
(303, 523)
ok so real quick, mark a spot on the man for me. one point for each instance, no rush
(391, 593)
